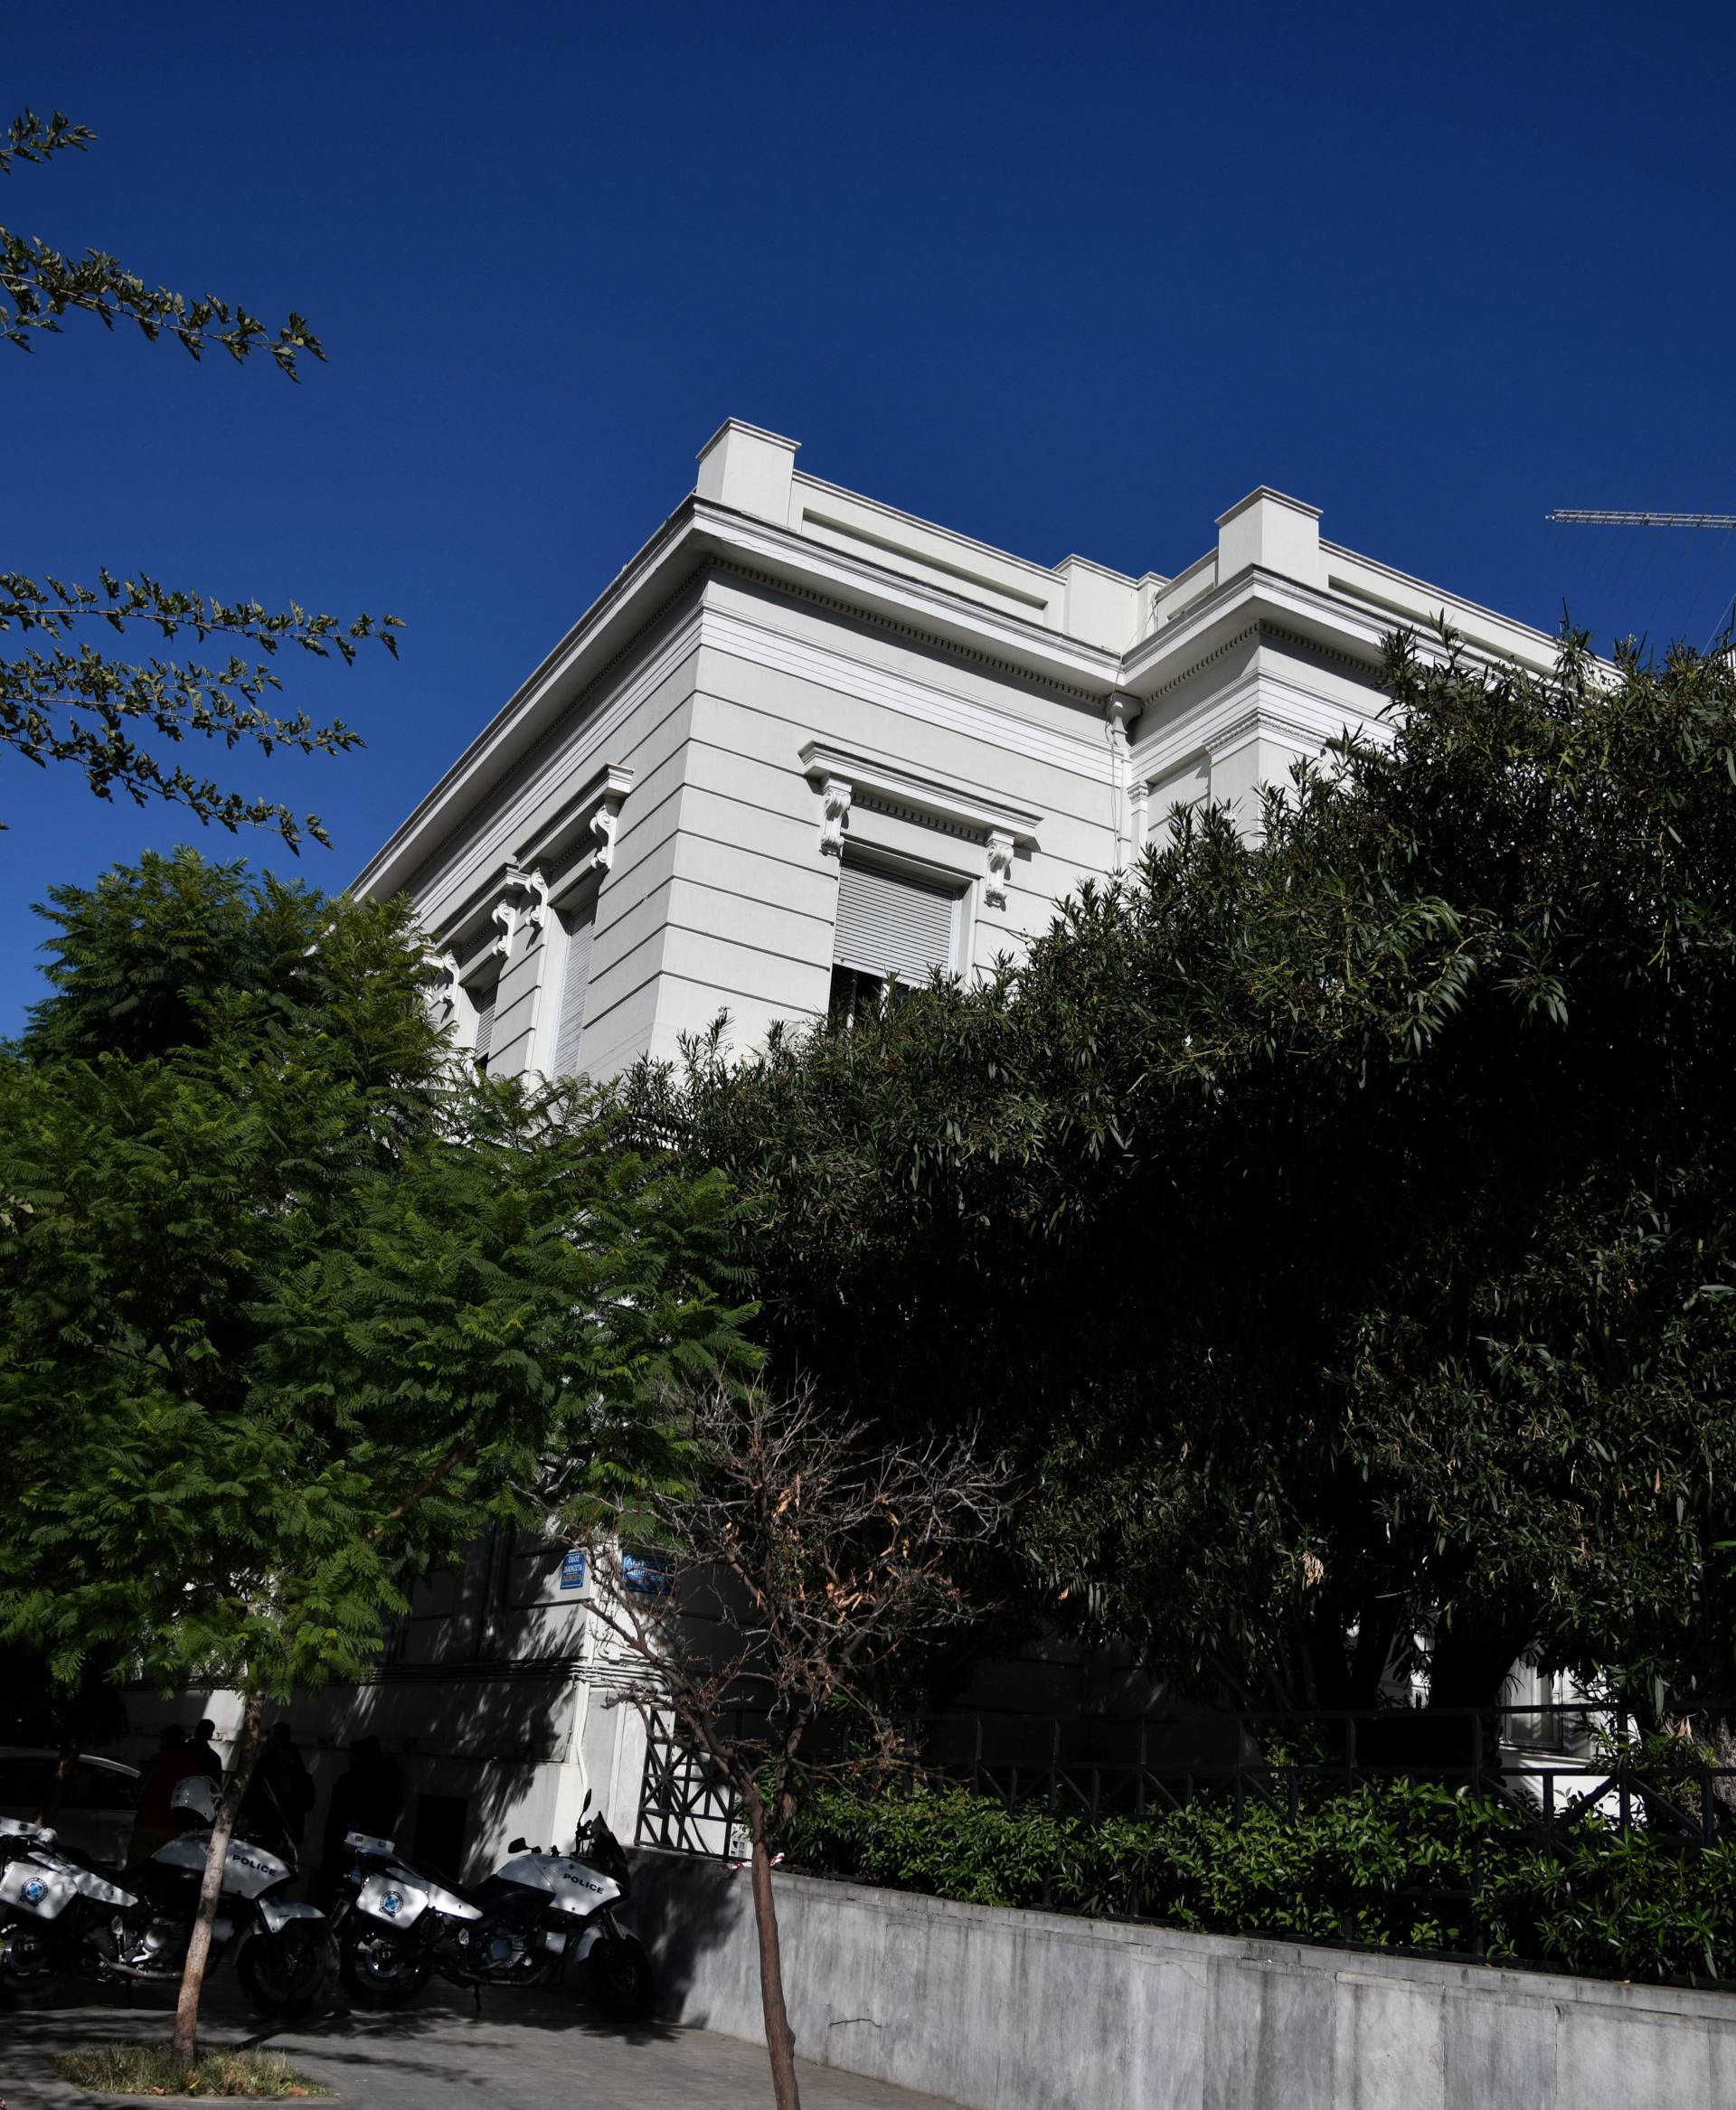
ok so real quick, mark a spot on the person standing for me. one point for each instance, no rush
(366, 1798)
(280, 1793)
(205, 1756)
(154, 1824)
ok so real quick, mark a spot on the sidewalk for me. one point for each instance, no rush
(526, 2051)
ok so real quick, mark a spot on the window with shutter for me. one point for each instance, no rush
(575, 974)
(892, 929)
(892, 925)
(483, 1039)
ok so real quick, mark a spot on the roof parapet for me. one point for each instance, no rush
(748, 470)
(1278, 533)
(1102, 605)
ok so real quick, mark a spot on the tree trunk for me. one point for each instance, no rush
(780, 2042)
(193, 1975)
(55, 1791)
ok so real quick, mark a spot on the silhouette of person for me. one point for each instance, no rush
(368, 1798)
(205, 1757)
(274, 1810)
(153, 1826)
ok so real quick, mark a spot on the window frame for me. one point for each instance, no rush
(485, 973)
(959, 885)
(578, 894)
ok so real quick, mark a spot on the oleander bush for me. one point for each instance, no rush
(1413, 1102)
(1401, 1864)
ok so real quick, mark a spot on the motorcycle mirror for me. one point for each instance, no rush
(515, 1846)
(586, 1804)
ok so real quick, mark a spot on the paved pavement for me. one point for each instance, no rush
(525, 2051)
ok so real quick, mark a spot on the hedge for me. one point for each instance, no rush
(1405, 1864)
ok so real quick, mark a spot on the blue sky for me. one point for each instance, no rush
(1070, 279)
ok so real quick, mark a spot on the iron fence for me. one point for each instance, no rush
(1091, 1769)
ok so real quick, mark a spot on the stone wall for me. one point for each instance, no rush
(1029, 2011)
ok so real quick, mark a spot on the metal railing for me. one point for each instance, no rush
(1286, 1764)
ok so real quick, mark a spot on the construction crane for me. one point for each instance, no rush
(1579, 516)
(1593, 516)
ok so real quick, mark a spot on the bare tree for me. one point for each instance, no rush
(797, 1561)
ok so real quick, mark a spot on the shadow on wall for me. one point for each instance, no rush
(479, 1707)
(479, 1755)
(685, 1910)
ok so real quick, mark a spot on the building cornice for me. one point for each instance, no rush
(597, 641)
(557, 771)
(1346, 619)
(1014, 642)
(727, 630)
(955, 539)
(1325, 619)
(1541, 643)
(698, 534)
(1261, 705)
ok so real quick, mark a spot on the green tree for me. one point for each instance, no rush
(291, 1304)
(1336, 1220)
(141, 960)
(62, 700)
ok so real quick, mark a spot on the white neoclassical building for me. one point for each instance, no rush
(805, 742)
(804, 738)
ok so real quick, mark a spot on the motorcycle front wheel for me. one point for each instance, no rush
(294, 1973)
(621, 1978)
(380, 1972)
(33, 1973)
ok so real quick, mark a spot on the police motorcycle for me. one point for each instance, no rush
(539, 1919)
(54, 1903)
(61, 1914)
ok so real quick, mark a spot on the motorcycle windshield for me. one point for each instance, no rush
(604, 1853)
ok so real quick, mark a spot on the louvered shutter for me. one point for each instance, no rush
(484, 1000)
(890, 926)
(575, 974)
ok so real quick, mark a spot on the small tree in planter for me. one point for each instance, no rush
(792, 1564)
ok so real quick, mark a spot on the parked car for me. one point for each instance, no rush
(95, 1811)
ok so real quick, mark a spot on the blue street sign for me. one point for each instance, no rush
(645, 1576)
(573, 1571)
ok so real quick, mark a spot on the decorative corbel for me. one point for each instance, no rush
(504, 916)
(519, 903)
(835, 793)
(603, 824)
(536, 916)
(1120, 712)
(1000, 867)
(577, 841)
(442, 969)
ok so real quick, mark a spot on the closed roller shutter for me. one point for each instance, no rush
(575, 974)
(484, 1000)
(892, 926)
